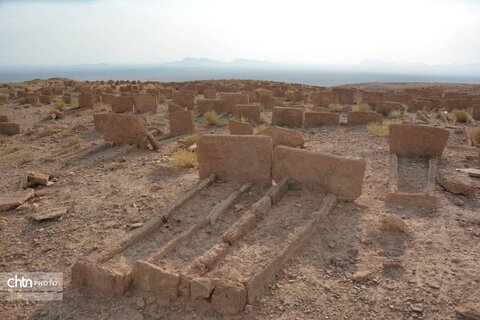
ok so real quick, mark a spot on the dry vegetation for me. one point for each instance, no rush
(361, 107)
(184, 159)
(460, 115)
(211, 118)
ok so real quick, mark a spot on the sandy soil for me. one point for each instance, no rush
(424, 273)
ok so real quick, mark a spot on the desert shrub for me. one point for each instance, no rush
(380, 129)
(59, 105)
(244, 119)
(259, 129)
(289, 95)
(383, 109)
(184, 159)
(20, 155)
(361, 107)
(211, 117)
(335, 107)
(45, 132)
(395, 114)
(475, 133)
(189, 140)
(460, 115)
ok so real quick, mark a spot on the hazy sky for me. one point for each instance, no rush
(294, 31)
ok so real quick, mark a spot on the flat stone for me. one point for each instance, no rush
(9, 201)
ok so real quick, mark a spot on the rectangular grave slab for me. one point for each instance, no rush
(240, 128)
(184, 99)
(249, 112)
(121, 104)
(315, 119)
(235, 158)
(412, 141)
(145, 102)
(126, 129)
(204, 105)
(86, 100)
(363, 118)
(181, 123)
(320, 172)
(9, 128)
(230, 100)
(287, 117)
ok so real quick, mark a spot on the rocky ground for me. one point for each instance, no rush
(352, 269)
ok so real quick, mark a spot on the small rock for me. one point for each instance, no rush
(361, 276)
(140, 302)
(393, 223)
(238, 207)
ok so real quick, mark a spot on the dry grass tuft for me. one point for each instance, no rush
(380, 129)
(460, 115)
(475, 134)
(335, 107)
(20, 155)
(289, 95)
(59, 105)
(73, 141)
(211, 117)
(187, 141)
(259, 129)
(184, 159)
(395, 114)
(361, 107)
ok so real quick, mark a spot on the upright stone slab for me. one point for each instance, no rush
(230, 100)
(363, 118)
(411, 141)
(126, 129)
(315, 119)
(476, 112)
(184, 99)
(181, 123)
(145, 102)
(204, 105)
(121, 104)
(267, 100)
(99, 120)
(320, 172)
(86, 100)
(288, 117)
(235, 158)
(249, 112)
(172, 107)
(240, 128)
(323, 98)
(345, 96)
(284, 137)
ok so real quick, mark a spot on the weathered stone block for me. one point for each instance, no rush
(184, 99)
(230, 100)
(229, 297)
(145, 102)
(99, 120)
(320, 172)
(204, 105)
(313, 119)
(240, 128)
(9, 128)
(181, 123)
(235, 158)
(121, 104)
(149, 277)
(288, 117)
(284, 137)
(86, 100)
(412, 141)
(210, 94)
(249, 112)
(363, 117)
(126, 129)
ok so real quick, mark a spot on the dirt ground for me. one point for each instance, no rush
(351, 269)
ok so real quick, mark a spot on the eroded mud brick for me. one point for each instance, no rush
(99, 279)
(229, 297)
(476, 112)
(204, 105)
(184, 99)
(288, 117)
(240, 128)
(249, 112)
(320, 172)
(230, 100)
(322, 98)
(9, 128)
(181, 123)
(314, 119)
(126, 129)
(363, 118)
(369, 97)
(121, 104)
(86, 100)
(145, 102)
(99, 120)
(407, 140)
(267, 100)
(149, 277)
(235, 158)
(345, 96)
(284, 137)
